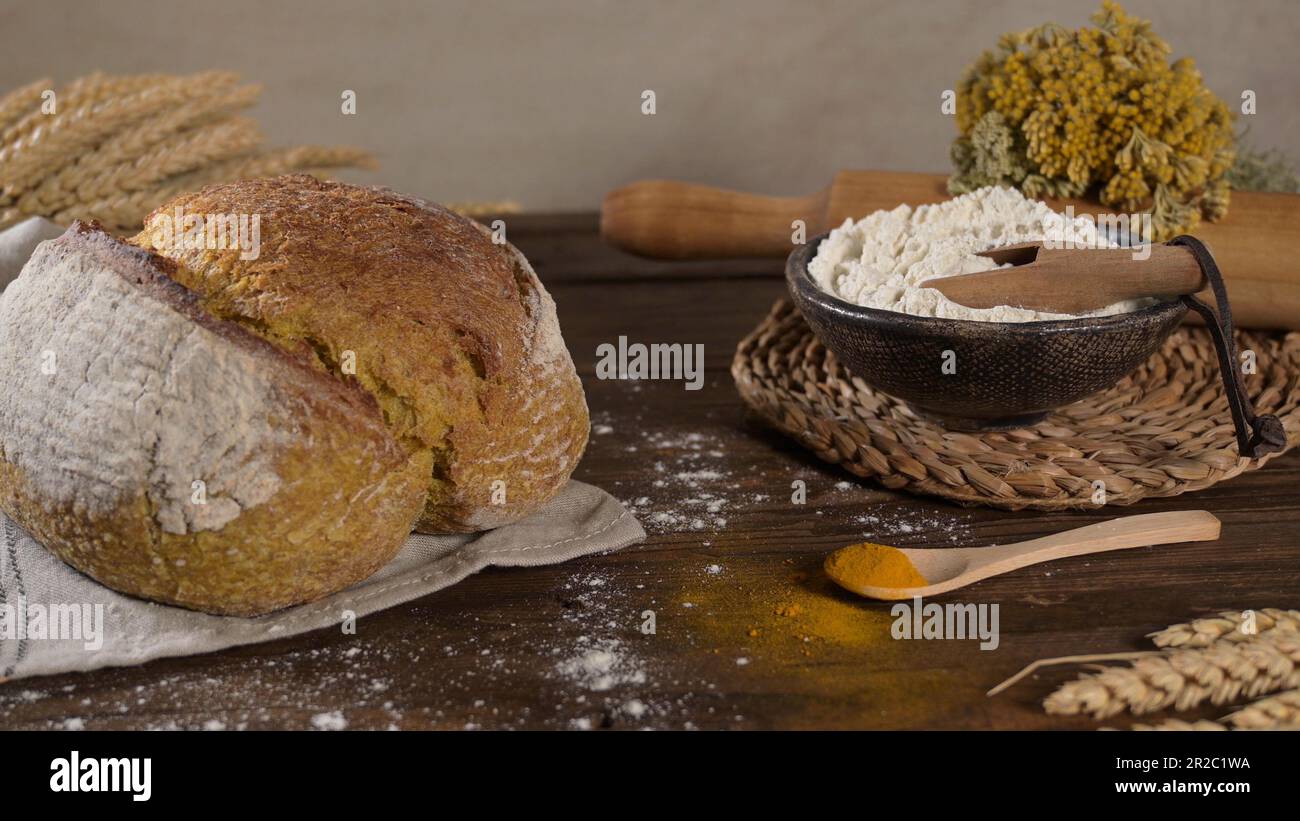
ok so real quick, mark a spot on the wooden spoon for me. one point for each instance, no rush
(1073, 280)
(953, 567)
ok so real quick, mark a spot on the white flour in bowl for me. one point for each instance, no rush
(881, 261)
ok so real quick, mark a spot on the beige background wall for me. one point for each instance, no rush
(540, 101)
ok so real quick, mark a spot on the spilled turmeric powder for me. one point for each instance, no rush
(828, 652)
(787, 614)
(873, 565)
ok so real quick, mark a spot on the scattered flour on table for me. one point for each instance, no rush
(601, 664)
(690, 485)
(916, 527)
(329, 721)
(584, 654)
(881, 261)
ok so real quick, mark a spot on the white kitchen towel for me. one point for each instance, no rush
(53, 619)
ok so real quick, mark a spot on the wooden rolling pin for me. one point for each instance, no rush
(1255, 245)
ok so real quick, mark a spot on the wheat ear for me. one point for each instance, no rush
(69, 133)
(125, 211)
(474, 208)
(1226, 626)
(81, 91)
(118, 147)
(1179, 724)
(301, 159)
(21, 102)
(1184, 678)
(187, 151)
(133, 143)
(1276, 712)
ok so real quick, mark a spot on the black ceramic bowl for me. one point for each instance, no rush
(1004, 374)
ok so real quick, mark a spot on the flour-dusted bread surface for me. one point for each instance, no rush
(176, 456)
(451, 333)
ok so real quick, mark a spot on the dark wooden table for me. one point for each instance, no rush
(748, 633)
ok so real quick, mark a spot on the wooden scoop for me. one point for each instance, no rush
(1073, 280)
(953, 567)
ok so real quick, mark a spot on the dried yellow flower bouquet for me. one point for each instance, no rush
(1100, 111)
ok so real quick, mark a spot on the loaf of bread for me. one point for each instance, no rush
(236, 432)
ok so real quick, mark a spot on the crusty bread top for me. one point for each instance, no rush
(415, 285)
(448, 330)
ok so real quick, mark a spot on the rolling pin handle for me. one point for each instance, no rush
(676, 220)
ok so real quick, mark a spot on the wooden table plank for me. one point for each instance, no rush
(749, 634)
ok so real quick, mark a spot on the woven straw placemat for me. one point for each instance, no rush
(1163, 430)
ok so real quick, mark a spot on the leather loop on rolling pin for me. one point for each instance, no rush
(1256, 435)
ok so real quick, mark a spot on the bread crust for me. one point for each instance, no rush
(451, 332)
(305, 490)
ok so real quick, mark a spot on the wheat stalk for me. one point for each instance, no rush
(118, 147)
(21, 102)
(129, 146)
(475, 208)
(188, 151)
(70, 132)
(1226, 626)
(301, 159)
(90, 90)
(1185, 678)
(1179, 724)
(99, 112)
(1276, 712)
(132, 143)
(125, 211)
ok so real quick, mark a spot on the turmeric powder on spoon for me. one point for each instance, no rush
(873, 565)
